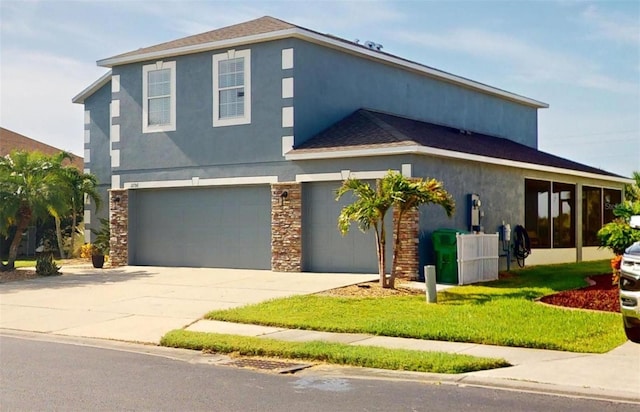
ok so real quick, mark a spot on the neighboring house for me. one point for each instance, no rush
(10, 140)
(225, 149)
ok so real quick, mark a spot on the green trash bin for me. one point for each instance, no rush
(444, 245)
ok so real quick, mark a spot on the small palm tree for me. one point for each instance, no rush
(410, 195)
(371, 205)
(77, 186)
(368, 210)
(30, 188)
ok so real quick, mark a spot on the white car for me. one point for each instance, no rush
(630, 287)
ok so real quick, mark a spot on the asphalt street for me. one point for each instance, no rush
(48, 375)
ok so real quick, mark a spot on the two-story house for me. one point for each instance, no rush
(224, 149)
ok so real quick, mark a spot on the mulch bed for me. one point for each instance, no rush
(600, 296)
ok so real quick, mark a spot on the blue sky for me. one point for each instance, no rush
(580, 57)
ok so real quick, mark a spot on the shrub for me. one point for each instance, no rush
(45, 266)
(87, 250)
(618, 235)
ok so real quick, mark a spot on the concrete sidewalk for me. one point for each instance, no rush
(613, 375)
(141, 304)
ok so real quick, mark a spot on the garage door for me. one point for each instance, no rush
(323, 246)
(226, 227)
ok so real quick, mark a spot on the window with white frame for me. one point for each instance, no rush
(159, 97)
(232, 88)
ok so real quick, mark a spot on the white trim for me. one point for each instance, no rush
(115, 181)
(216, 59)
(407, 169)
(115, 158)
(115, 108)
(87, 117)
(87, 199)
(287, 87)
(374, 174)
(115, 133)
(87, 136)
(307, 35)
(87, 155)
(423, 150)
(287, 116)
(87, 217)
(115, 83)
(287, 144)
(87, 170)
(87, 236)
(171, 126)
(318, 177)
(222, 181)
(342, 175)
(287, 59)
(92, 88)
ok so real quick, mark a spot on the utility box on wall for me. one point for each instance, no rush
(475, 213)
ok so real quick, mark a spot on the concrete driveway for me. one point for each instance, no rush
(141, 304)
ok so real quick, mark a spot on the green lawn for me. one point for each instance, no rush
(499, 313)
(25, 263)
(335, 353)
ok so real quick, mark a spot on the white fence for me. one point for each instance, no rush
(477, 257)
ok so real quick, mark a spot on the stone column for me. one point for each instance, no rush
(407, 265)
(119, 225)
(286, 227)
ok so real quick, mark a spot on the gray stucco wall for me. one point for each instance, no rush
(196, 143)
(100, 160)
(330, 84)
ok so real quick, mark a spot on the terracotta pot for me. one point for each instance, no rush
(98, 261)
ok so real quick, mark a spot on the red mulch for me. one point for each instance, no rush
(601, 296)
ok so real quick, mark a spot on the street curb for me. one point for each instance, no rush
(462, 380)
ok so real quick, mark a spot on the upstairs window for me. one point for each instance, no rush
(159, 97)
(232, 88)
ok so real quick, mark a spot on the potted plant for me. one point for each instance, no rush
(100, 246)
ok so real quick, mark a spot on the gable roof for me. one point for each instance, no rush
(262, 25)
(372, 133)
(269, 28)
(10, 140)
(92, 88)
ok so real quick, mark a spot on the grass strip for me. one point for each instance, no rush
(498, 313)
(334, 353)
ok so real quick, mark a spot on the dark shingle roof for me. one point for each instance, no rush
(262, 25)
(368, 129)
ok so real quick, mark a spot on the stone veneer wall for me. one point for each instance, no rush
(286, 227)
(119, 223)
(408, 264)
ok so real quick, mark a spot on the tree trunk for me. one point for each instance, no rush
(385, 281)
(59, 237)
(74, 228)
(23, 223)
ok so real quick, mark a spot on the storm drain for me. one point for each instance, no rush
(269, 365)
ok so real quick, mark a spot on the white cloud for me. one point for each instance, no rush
(525, 61)
(618, 27)
(36, 93)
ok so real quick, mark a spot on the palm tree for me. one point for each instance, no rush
(632, 191)
(30, 188)
(409, 195)
(77, 185)
(371, 206)
(369, 209)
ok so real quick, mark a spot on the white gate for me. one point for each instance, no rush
(477, 257)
